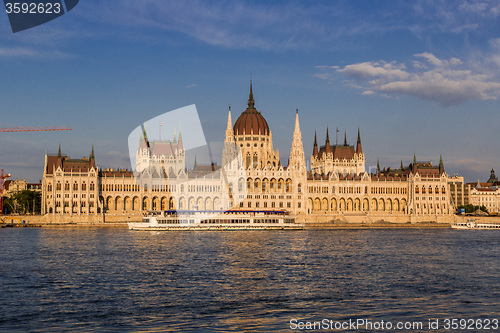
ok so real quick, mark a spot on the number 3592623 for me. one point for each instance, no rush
(32, 8)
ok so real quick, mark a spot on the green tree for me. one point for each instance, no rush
(484, 209)
(26, 201)
(8, 205)
(471, 208)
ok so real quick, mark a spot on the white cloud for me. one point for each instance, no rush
(441, 80)
(27, 52)
(367, 70)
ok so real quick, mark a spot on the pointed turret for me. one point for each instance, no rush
(179, 144)
(297, 126)
(315, 146)
(144, 135)
(441, 165)
(378, 167)
(359, 150)
(92, 158)
(345, 138)
(59, 158)
(229, 128)
(402, 167)
(327, 143)
(414, 165)
(297, 159)
(251, 101)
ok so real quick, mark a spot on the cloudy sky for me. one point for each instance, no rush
(417, 77)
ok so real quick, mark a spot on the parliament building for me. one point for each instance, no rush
(251, 177)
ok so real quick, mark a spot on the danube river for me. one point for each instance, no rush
(111, 279)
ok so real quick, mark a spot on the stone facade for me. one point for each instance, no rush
(251, 177)
(485, 194)
(70, 186)
(12, 187)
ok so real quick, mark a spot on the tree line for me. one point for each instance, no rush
(24, 202)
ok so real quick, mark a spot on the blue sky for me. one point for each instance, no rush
(417, 77)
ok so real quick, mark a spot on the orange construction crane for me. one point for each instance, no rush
(33, 129)
(23, 129)
(2, 177)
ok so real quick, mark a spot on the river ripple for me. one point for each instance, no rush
(111, 279)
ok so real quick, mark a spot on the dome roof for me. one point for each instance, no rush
(251, 121)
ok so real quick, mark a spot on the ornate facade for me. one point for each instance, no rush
(485, 194)
(339, 159)
(250, 177)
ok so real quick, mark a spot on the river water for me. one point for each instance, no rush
(115, 280)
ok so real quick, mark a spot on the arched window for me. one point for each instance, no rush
(247, 164)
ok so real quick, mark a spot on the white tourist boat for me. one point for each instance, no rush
(473, 224)
(171, 220)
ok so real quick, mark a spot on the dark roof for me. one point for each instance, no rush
(6, 184)
(339, 151)
(251, 121)
(68, 165)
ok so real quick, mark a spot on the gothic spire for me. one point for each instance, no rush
(297, 127)
(297, 159)
(441, 165)
(229, 127)
(92, 157)
(144, 135)
(345, 138)
(359, 150)
(179, 140)
(327, 142)
(59, 158)
(315, 146)
(251, 101)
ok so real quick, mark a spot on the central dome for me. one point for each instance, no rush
(251, 121)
